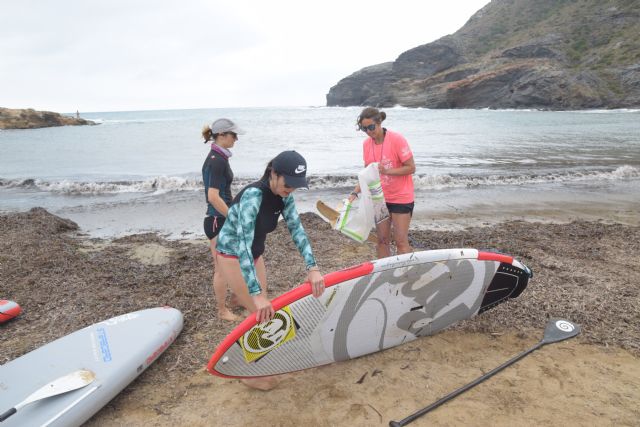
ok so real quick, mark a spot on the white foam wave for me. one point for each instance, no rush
(540, 110)
(615, 110)
(164, 184)
(160, 184)
(440, 182)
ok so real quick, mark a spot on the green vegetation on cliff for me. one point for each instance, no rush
(555, 54)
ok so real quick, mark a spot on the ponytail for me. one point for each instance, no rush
(207, 134)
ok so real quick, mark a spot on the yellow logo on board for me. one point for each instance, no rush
(263, 338)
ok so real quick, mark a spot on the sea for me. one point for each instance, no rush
(140, 171)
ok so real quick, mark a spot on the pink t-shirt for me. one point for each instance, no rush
(393, 151)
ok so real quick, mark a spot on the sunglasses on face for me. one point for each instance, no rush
(233, 134)
(369, 128)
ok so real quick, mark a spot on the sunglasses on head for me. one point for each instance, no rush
(369, 128)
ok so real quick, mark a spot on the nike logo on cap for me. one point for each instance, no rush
(300, 169)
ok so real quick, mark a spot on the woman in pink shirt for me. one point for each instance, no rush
(395, 163)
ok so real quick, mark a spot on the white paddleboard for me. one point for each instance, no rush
(116, 350)
(368, 308)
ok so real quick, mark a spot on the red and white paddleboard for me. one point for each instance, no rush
(8, 310)
(368, 308)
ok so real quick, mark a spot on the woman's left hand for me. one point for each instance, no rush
(317, 282)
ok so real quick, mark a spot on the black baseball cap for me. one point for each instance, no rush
(293, 167)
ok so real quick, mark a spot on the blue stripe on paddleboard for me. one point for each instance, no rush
(104, 345)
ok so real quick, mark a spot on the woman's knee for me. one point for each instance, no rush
(230, 270)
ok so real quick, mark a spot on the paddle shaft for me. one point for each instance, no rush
(461, 390)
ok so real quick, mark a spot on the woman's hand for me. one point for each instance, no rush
(354, 193)
(316, 280)
(264, 309)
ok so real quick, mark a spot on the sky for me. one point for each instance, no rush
(123, 55)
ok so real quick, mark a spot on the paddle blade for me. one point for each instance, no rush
(559, 330)
(69, 382)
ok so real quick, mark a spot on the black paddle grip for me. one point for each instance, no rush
(8, 414)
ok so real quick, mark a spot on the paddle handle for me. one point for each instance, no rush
(8, 414)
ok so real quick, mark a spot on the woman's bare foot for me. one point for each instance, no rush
(226, 314)
(263, 383)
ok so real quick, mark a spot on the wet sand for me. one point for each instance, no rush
(585, 271)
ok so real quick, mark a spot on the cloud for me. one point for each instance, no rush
(115, 55)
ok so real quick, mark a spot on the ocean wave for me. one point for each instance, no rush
(157, 184)
(542, 110)
(441, 182)
(422, 182)
(609, 111)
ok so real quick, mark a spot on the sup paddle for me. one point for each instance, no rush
(67, 383)
(556, 330)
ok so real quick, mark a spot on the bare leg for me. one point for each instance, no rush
(400, 223)
(220, 288)
(231, 270)
(383, 230)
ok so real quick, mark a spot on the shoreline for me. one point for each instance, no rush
(585, 271)
(179, 215)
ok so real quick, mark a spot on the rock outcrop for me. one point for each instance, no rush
(547, 54)
(30, 119)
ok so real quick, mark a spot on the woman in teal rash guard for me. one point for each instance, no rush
(254, 213)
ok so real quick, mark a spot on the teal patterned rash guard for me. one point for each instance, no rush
(254, 213)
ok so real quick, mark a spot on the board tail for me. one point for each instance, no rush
(510, 280)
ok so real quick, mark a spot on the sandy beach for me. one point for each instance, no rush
(584, 271)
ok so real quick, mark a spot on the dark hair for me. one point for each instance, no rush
(267, 172)
(373, 114)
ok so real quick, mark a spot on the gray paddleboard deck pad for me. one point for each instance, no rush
(368, 308)
(117, 350)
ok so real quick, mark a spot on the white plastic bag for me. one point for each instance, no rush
(371, 192)
(357, 218)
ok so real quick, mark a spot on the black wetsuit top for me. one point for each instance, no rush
(217, 173)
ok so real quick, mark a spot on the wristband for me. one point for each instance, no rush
(313, 268)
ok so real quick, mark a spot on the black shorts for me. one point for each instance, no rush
(212, 225)
(400, 208)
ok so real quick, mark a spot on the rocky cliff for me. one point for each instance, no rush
(546, 54)
(30, 119)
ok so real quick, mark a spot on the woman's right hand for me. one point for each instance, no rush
(264, 309)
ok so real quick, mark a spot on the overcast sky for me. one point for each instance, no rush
(88, 55)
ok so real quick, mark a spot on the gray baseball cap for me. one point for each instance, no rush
(225, 125)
